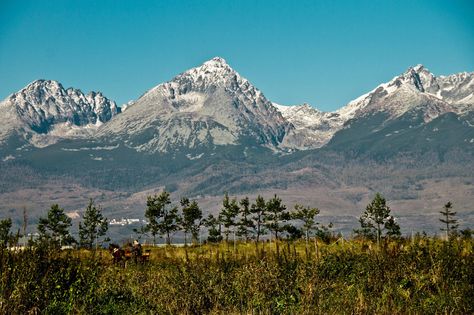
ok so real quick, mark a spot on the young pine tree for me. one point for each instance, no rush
(153, 214)
(214, 227)
(307, 216)
(93, 226)
(228, 214)
(162, 219)
(376, 219)
(275, 218)
(191, 219)
(54, 228)
(169, 217)
(245, 224)
(448, 220)
(258, 212)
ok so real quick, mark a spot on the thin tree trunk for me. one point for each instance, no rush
(378, 235)
(276, 243)
(234, 243)
(185, 246)
(306, 245)
(447, 227)
(316, 249)
(258, 237)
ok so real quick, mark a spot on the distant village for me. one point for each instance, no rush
(126, 221)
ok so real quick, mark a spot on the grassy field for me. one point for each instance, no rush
(420, 276)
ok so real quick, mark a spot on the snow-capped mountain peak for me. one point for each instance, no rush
(414, 90)
(45, 107)
(204, 106)
(418, 77)
(212, 73)
(212, 104)
(292, 109)
(216, 62)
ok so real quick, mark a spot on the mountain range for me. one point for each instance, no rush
(209, 130)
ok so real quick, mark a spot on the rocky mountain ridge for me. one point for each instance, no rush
(212, 105)
(44, 112)
(416, 92)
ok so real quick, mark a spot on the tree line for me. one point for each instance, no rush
(240, 219)
(54, 229)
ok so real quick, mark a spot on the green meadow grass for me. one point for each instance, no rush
(421, 276)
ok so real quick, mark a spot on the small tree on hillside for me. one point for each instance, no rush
(93, 226)
(245, 224)
(191, 219)
(54, 229)
(5, 234)
(392, 228)
(448, 220)
(375, 219)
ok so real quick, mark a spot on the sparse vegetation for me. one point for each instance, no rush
(417, 275)
(420, 276)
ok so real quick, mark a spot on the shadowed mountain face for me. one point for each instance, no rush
(209, 130)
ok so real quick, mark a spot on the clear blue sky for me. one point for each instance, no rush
(322, 52)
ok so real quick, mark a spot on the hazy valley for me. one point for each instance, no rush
(209, 130)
